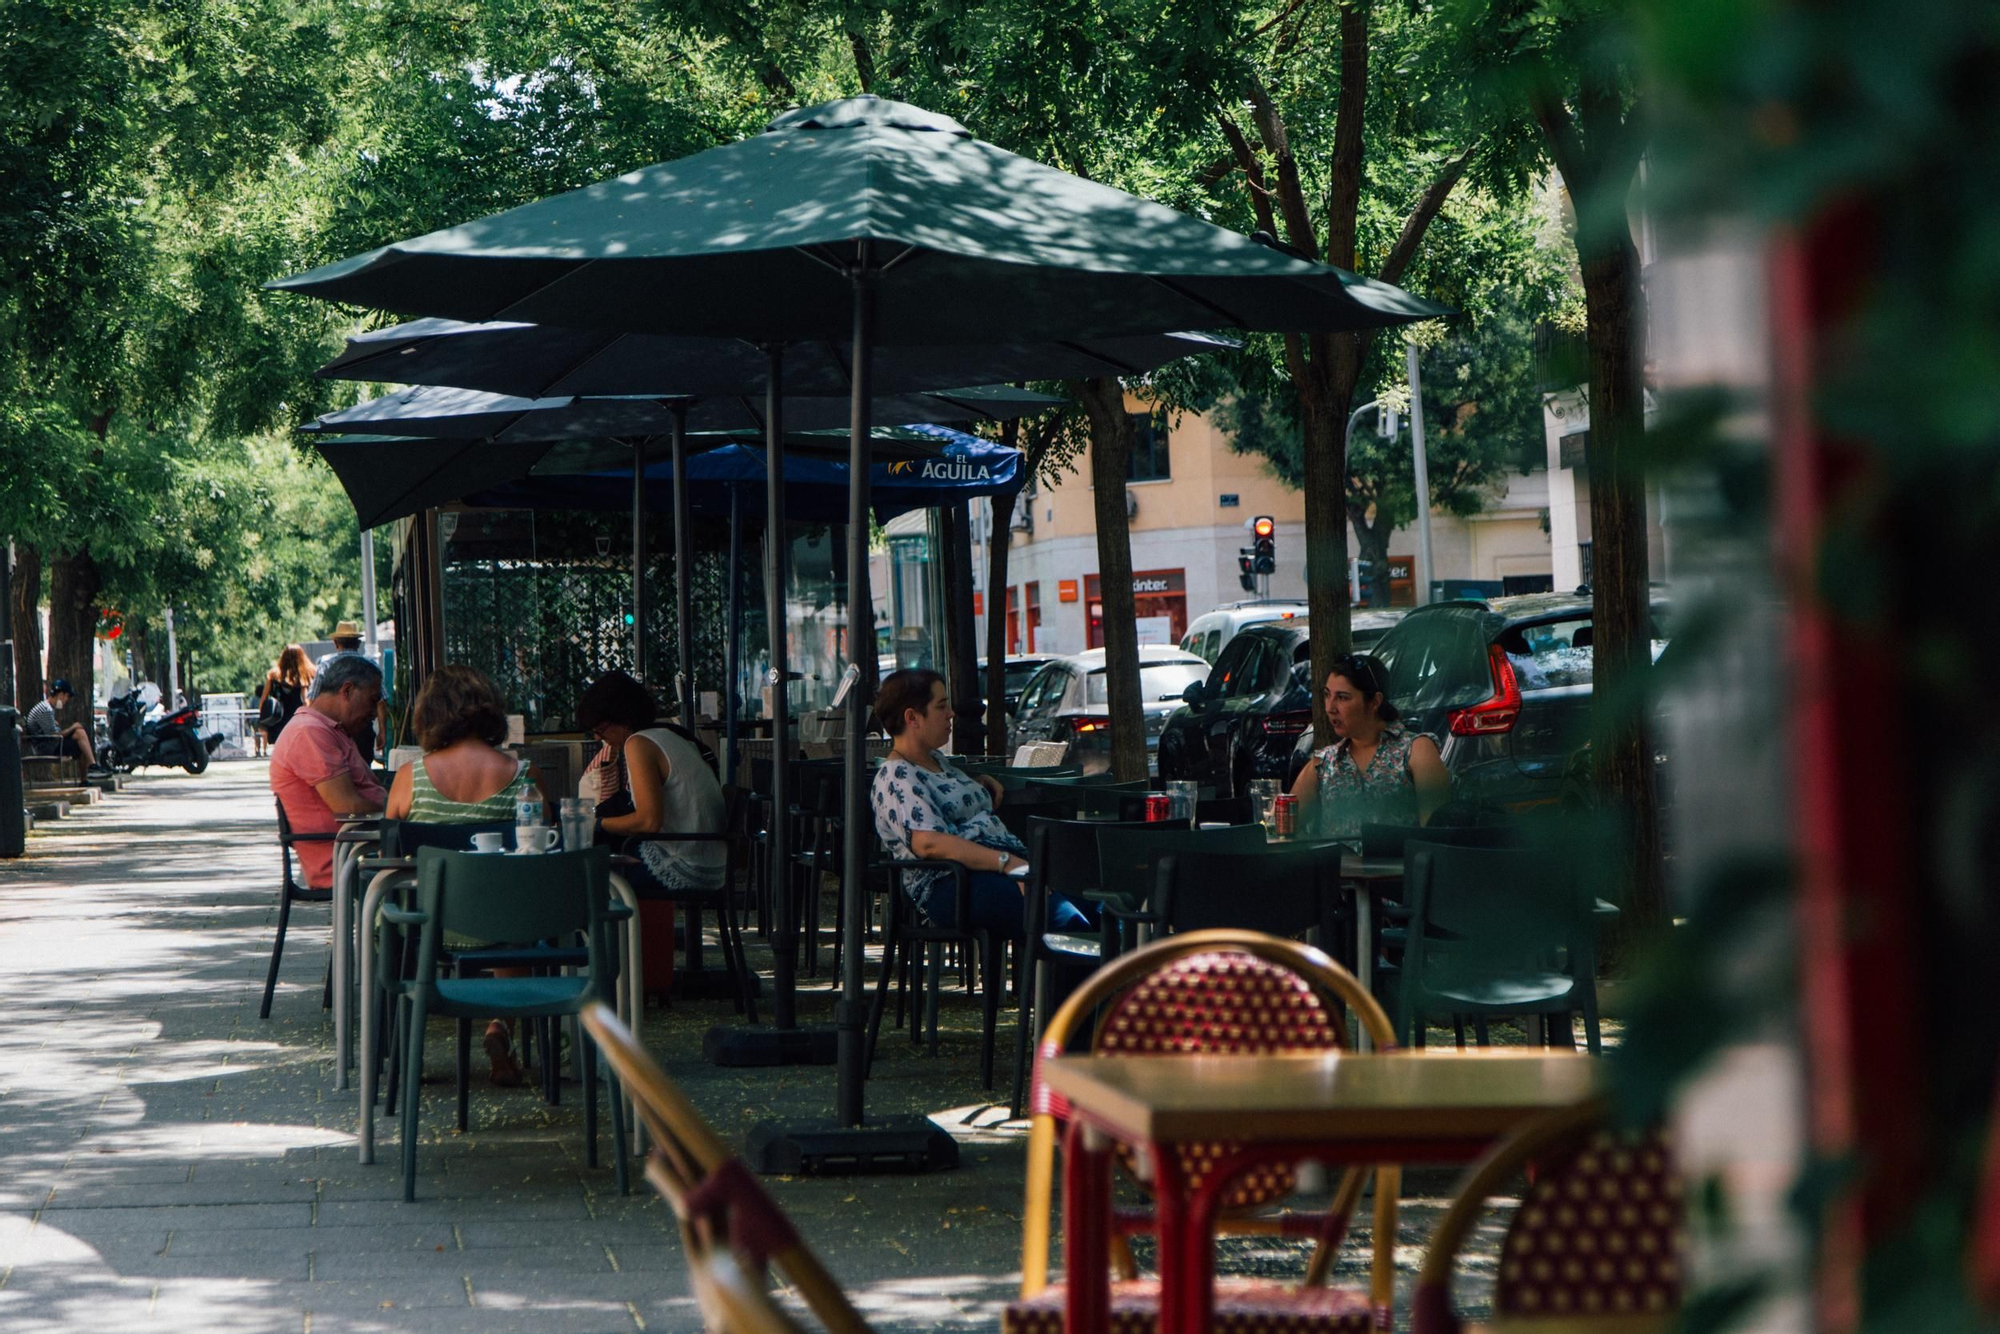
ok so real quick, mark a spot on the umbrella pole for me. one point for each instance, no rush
(784, 981)
(732, 664)
(851, 1014)
(639, 559)
(683, 573)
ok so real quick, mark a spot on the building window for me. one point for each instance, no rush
(1034, 614)
(1586, 566)
(1149, 448)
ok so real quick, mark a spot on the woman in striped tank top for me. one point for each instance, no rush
(465, 778)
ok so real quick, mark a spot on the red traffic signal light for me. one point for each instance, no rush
(1264, 547)
(1264, 526)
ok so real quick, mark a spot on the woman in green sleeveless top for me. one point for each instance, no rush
(465, 778)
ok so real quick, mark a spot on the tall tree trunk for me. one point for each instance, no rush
(1324, 395)
(1111, 440)
(27, 596)
(74, 583)
(1621, 613)
(996, 623)
(1371, 542)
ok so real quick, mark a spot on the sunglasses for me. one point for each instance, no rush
(1363, 669)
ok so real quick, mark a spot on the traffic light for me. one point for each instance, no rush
(1244, 556)
(1264, 548)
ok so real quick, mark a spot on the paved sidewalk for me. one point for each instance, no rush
(172, 1163)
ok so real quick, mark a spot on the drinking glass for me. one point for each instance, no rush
(1263, 798)
(1184, 794)
(578, 823)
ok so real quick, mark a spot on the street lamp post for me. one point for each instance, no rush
(1423, 470)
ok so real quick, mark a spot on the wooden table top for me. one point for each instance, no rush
(1320, 1097)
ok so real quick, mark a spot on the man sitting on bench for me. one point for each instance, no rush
(44, 735)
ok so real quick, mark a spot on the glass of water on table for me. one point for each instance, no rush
(1184, 795)
(1264, 799)
(579, 823)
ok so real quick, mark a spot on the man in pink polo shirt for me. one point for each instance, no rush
(317, 770)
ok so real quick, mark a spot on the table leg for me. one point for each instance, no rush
(631, 997)
(1187, 1279)
(1364, 955)
(1086, 1230)
(378, 888)
(343, 961)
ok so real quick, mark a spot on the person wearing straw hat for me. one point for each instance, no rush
(347, 639)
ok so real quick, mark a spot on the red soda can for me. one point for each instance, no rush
(1159, 806)
(1285, 815)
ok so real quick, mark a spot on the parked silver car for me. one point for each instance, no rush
(1069, 700)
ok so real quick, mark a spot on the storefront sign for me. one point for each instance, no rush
(1066, 590)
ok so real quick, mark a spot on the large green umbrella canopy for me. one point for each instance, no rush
(871, 223)
(473, 414)
(389, 477)
(546, 360)
(758, 239)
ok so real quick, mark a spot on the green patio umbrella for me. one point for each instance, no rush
(867, 222)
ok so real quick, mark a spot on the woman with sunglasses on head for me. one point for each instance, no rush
(1376, 770)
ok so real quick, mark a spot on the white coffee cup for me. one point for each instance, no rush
(488, 842)
(533, 840)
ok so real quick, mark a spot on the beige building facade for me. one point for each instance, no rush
(1191, 500)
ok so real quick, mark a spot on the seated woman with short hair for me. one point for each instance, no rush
(463, 777)
(927, 809)
(673, 791)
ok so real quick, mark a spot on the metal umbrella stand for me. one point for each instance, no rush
(864, 221)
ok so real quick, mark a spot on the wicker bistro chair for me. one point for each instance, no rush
(290, 891)
(732, 1230)
(1215, 991)
(1596, 1246)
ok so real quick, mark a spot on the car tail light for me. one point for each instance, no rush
(1493, 716)
(1083, 725)
(1287, 724)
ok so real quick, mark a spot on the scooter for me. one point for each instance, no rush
(167, 741)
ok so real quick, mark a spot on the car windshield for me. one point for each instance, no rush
(1019, 672)
(1436, 661)
(1157, 681)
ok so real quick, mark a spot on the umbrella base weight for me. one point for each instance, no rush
(735, 1045)
(709, 984)
(899, 1144)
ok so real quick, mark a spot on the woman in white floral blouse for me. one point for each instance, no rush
(926, 809)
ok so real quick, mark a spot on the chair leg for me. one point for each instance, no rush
(413, 1079)
(1458, 1030)
(1023, 1040)
(277, 953)
(464, 1072)
(934, 976)
(1479, 1031)
(587, 1058)
(326, 989)
(993, 966)
(397, 1049)
(620, 1164)
(880, 1000)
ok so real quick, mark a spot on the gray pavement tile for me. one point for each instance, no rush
(594, 1318)
(103, 1194)
(342, 1213)
(262, 1217)
(332, 1264)
(501, 1233)
(406, 1292)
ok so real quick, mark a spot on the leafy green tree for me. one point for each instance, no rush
(1482, 379)
(1555, 83)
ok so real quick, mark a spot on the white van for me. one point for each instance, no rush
(1207, 633)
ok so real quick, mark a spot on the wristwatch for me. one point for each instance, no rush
(1005, 857)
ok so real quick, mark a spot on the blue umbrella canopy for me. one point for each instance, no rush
(816, 488)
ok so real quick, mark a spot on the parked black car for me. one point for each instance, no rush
(1503, 684)
(1246, 717)
(1019, 669)
(1069, 700)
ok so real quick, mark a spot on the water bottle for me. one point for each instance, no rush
(527, 819)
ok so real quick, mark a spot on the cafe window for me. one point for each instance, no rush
(1149, 461)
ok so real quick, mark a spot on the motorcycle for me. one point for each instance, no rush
(168, 740)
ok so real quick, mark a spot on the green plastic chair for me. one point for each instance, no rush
(1128, 862)
(1496, 931)
(509, 901)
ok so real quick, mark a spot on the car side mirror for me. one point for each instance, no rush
(1193, 695)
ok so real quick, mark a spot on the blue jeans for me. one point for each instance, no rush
(997, 906)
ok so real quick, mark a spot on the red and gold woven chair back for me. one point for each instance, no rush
(1599, 1234)
(1224, 1001)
